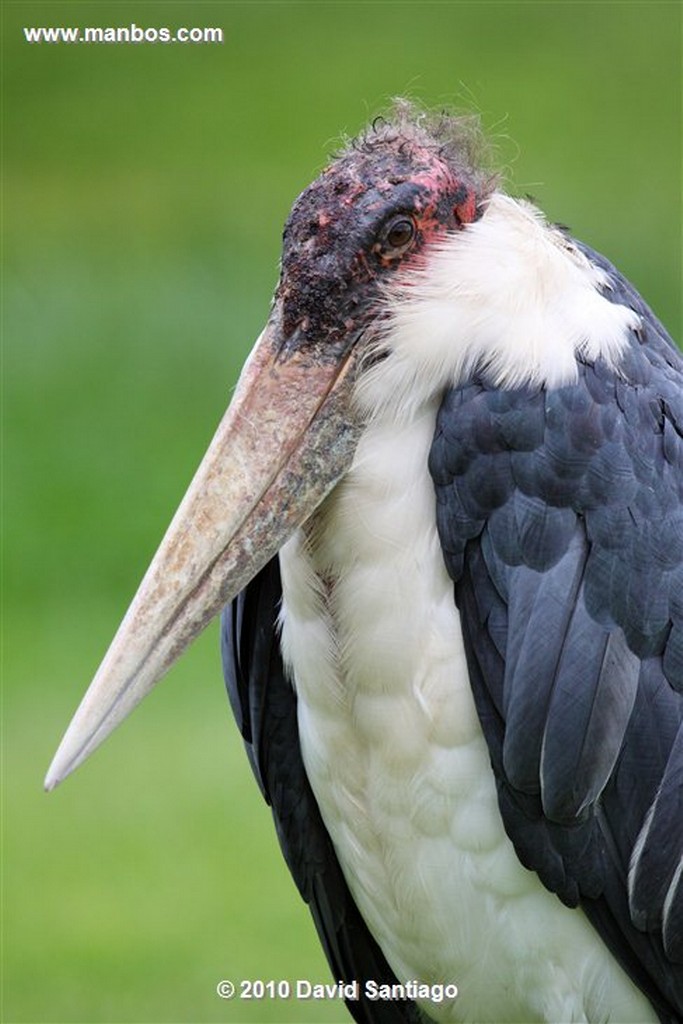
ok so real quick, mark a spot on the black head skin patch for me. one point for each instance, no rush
(399, 180)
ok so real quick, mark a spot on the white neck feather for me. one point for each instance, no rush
(510, 295)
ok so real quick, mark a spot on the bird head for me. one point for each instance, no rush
(370, 215)
(363, 228)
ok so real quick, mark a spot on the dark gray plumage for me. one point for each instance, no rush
(561, 518)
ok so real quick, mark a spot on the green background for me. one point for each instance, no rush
(145, 189)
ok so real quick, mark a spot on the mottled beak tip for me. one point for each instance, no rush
(60, 768)
(51, 781)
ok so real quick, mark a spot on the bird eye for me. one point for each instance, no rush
(398, 235)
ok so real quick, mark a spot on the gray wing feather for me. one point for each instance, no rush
(560, 514)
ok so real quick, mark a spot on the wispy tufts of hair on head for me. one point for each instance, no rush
(458, 139)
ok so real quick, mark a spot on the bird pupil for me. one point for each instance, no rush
(400, 234)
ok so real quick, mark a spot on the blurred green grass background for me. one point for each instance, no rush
(145, 189)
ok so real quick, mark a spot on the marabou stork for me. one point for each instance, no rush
(445, 512)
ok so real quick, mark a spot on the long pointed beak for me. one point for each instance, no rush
(286, 439)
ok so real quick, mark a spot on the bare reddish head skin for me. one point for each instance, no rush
(336, 245)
